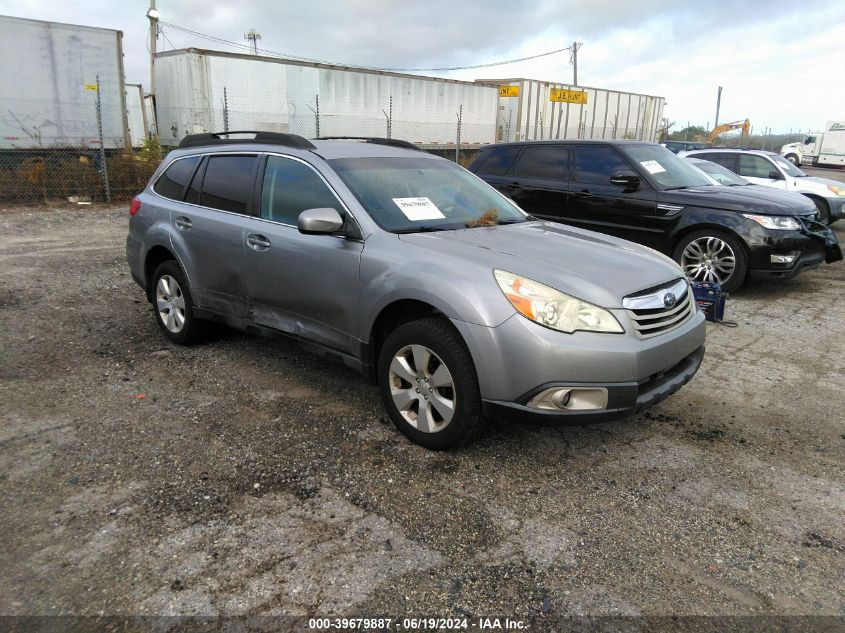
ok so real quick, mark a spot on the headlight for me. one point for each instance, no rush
(553, 308)
(839, 191)
(774, 221)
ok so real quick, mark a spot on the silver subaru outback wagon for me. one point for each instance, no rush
(455, 302)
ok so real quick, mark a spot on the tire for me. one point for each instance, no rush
(824, 210)
(793, 158)
(718, 243)
(171, 294)
(398, 379)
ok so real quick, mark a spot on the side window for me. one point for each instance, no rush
(595, 164)
(725, 160)
(544, 161)
(498, 161)
(755, 166)
(289, 188)
(171, 184)
(192, 195)
(228, 183)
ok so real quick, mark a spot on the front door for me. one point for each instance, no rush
(759, 170)
(596, 204)
(299, 284)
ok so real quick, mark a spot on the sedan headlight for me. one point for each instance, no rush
(839, 191)
(779, 222)
(553, 308)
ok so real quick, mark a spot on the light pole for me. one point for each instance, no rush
(153, 14)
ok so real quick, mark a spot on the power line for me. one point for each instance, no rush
(270, 53)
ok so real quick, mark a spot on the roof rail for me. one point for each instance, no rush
(376, 140)
(221, 138)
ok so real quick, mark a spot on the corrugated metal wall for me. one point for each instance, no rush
(608, 114)
(272, 95)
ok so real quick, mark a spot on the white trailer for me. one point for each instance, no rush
(532, 110)
(212, 91)
(819, 148)
(136, 114)
(47, 82)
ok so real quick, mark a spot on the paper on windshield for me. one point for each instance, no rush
(652, 166)
(418, 209)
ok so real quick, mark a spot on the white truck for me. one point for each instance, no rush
(819, 148)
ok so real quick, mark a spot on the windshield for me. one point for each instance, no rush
(416, 194)
(669, 171)
(722, 175)
(785, 165)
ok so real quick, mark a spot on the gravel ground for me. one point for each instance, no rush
(245, 476)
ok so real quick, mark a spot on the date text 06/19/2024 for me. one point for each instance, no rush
(415, 624)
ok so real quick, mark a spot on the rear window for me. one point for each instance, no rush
(228, 183)
(496, 162)
(171, 184)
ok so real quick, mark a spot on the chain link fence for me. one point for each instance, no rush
(55, 152)
(759, 137)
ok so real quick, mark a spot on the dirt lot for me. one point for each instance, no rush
(244, 476)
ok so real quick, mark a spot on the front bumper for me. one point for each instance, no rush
(814, 243)
(624, 399)
(519, 358)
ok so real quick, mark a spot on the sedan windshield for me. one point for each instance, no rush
(722, 175)
(406, 195)
(666, 169)
(785, 165)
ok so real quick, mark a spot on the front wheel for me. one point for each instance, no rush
(714, 257)
(793, 158)
(429, 385)
(824, 210)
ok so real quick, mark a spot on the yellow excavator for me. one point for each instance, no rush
(727, 127)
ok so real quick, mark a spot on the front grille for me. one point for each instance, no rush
(651, 321)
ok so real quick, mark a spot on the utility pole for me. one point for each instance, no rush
(573, 59)
(252, 37)
(153, 14)
(718, 105)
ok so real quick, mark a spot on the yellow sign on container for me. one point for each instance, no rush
(91, 87)
(568, 96)
(508, 91)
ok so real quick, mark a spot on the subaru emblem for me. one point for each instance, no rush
(669, 299)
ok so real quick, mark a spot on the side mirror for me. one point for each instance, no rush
(775, 175)
(625, 178)
(319, 221)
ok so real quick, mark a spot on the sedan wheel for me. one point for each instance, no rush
(422, 388)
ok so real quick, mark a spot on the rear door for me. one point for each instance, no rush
(596, 204)
(759, 170)
(208, 227)
(305, 285)
(540, 181)
(494, 166)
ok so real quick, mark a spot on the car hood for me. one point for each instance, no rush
(757, 199)
(590, 266)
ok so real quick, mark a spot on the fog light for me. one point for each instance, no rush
(570, 399)
(784, 259)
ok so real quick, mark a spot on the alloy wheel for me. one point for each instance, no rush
(422, 388)
(170, 303)
(708, 259)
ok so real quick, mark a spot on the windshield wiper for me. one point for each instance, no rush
(421, 229)
(677, 188)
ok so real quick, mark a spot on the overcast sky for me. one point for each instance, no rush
(782, 63)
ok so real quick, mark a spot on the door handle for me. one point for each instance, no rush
(182, 223)
(258, 242)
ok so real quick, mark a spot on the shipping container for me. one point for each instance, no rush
(136, 114)
(48, 85)
(211, 91)
(532, 110)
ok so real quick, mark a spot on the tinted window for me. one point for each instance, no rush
(192, 195)
(172, 182)
(497, 162)
(545, 161)
(727, 161)
(290, 188)
(228, 183)
(596, 164)
(755, 166)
